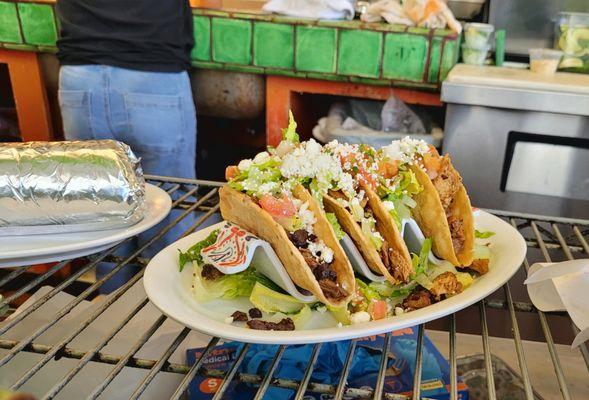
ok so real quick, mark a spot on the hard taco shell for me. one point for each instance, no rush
(239, 208)
(431, 218)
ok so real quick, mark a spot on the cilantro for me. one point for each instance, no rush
(483, 234)
(339, 233)
(290, 133)
(193, 253)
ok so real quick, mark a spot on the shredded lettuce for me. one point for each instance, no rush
(193, 253)
(258, 179)
(290, 133)
(271, 301)
(366, 291)
(483, 234)
(225, 287)
(395, 294)
(339, 233)
(421, 266)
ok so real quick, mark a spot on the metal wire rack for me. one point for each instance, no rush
(548, 239)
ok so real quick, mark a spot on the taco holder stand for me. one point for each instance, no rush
(259, 253)
(547, 238)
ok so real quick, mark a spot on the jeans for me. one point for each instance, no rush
(152, 112)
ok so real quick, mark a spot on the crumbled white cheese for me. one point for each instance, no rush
(244, 164)
(359, 317)
(268, 187)
(306, 216)
(399, 311)
(229, 320)
(405, 150)
(261, 157)
(339, 325)
(321, 309)
(321, 251)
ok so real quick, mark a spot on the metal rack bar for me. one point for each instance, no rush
(229, 377)
(341, 386)
(487, 353)
(384, 358)
(519, 348)
(453, 373)
(418, 364)
(546, 235)
(158, 365)
(308, 372)
(266, 381)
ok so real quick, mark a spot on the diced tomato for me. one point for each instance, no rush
(367, 177)
(377, 309)
(388, 169)
(231, 172)
(283, 207)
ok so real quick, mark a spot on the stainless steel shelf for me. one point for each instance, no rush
(548, 238)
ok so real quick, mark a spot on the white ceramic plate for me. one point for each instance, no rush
(170, 291)
(32, 249)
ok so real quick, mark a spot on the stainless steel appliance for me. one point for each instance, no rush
(521, 141)
(530, 23)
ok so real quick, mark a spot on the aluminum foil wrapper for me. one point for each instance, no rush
(53, 187)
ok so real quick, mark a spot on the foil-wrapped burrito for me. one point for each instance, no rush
(51, 187)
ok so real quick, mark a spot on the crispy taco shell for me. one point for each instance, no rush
(238, 208)
(431, 218)
(387, 228)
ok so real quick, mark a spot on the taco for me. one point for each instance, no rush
(365, 218)
(442, 208)
(296, 227)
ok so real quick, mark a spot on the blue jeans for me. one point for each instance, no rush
(153, 112)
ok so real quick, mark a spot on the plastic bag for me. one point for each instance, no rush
(431, 14)
(391, 10)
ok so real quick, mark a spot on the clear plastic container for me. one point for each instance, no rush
(477, 35)
(544, 61)
(572, 37)
(474, 56)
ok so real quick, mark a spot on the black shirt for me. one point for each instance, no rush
(148, 35)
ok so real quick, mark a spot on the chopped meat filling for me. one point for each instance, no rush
(416, 300)
(393, 261)
(324, 271)
(447, 182)
(255, 313)
(300, 237)
(286, 324)
(457, 233)
(210, 273)
(311, 261)
(481, 266)
(446, 284)
(239, 316)
(332, 290)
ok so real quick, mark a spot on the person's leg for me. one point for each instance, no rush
(160, 126)
(83, 101)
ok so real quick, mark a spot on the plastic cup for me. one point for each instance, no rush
(477, 35)
(474, 56)
(544, 61)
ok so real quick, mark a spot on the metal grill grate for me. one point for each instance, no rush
(550, 239)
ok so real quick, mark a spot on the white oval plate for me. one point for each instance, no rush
(170, 291)
(32, 249)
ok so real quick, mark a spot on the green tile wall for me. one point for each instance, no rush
(315, 49)
(202, 39)
(347, 51)
(405, 57)
(434, 59)
(38, 23)
(232, 40)
(9, 30)
(359, 52)
(273, 45)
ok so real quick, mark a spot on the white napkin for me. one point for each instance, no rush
(562, 287)
(316, 9)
